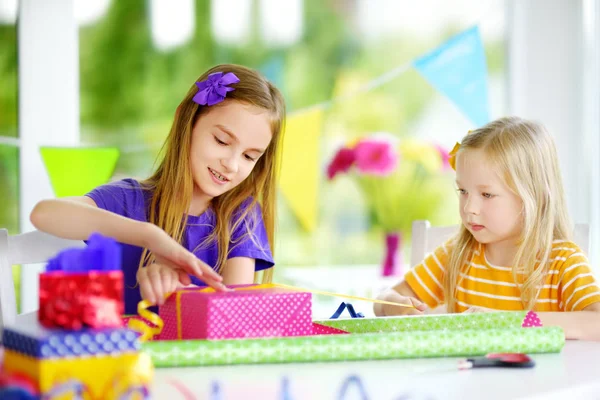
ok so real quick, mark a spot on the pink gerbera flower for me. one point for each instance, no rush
(376, 157)
(342, 162)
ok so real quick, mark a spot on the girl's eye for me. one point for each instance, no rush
(222, 143)
(487, 195)
(461, 191)
(249, 158)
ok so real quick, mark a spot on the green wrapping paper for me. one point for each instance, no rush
(488, 320)
(371, 339)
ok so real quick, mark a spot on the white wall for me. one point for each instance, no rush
(48, 51)
(547, 77)
(591, 117)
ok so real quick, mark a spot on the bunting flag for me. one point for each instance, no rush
(458, 70)
(300, 171)
(74, 171)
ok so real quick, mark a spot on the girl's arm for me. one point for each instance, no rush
(78, 217)
(582, 325)
(401, 293)
(239, 271)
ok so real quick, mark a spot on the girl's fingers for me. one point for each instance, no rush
(169, 280)
(177, 255)
(413, 311)
(418, 304)
(146, 287)
(208, 272)
(155, 279)
(192, 265)
(183, 277)
(217, 285)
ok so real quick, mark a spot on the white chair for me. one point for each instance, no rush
(426, 238)
(27, 248)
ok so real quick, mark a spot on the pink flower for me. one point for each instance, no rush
(444, 155)
(342, 162)
(376, 157)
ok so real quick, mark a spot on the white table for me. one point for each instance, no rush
(574, 374)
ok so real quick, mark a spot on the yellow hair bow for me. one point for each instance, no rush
(452, 154)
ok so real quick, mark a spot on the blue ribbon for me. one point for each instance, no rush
(351, 311)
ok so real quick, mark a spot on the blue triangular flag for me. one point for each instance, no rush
(458, 69)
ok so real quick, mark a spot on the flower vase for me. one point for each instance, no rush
(393, 260)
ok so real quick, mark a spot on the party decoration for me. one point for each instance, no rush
(74, 171)
(458, 70)
(299, 180)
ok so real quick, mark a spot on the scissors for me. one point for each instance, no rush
(499, 360)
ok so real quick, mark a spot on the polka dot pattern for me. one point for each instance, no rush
(239, 314)
(531, 320)
(39, 342)
(168, 313)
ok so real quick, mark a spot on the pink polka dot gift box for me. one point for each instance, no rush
(250, 311)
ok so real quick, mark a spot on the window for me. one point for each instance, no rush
(134, 74)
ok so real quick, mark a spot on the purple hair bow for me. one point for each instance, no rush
(214, 89)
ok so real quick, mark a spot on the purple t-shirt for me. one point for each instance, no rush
(127, 198)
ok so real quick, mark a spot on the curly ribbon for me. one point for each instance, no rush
(149, 332)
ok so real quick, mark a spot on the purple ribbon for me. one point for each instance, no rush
(101, 254)
(214, 89)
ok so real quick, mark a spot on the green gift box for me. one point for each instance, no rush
(452, 335)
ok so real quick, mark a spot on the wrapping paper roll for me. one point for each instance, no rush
(371, 339)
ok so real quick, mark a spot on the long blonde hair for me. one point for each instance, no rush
(172, 184)
(524, 156)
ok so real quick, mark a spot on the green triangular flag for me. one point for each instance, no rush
(74, 171)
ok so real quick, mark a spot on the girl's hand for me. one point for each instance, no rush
(171, 254)
(158, 280)
(417, 307)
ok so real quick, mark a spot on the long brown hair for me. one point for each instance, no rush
(172, 183)
(524, 155)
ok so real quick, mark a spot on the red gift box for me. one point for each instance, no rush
(194, 313)
(83, 299)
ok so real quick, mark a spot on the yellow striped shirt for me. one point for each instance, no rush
(568, 286)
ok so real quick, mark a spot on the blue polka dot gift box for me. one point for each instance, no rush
(77, 346)
(36, 341)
